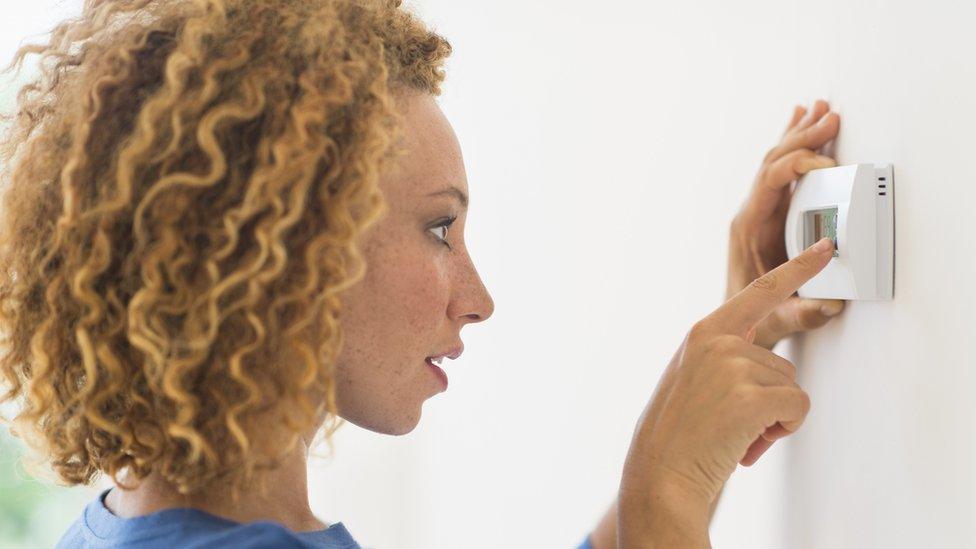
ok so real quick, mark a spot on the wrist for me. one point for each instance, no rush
(664, 516)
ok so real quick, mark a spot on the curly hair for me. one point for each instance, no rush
(184, 186)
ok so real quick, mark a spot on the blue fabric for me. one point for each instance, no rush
(192, 528)
(586, 543)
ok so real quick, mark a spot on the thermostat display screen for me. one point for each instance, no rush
(819, 224)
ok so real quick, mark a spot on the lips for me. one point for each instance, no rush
(438, 372)
(435, 360)
(452, 354)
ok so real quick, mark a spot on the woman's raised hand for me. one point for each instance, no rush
(756, 242)
(718, 395)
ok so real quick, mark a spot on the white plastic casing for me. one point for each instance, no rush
(864, 197)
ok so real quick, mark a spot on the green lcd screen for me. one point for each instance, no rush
(819, 224)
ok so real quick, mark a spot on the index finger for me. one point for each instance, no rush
(747, 308)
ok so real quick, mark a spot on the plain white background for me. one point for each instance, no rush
(608, 147)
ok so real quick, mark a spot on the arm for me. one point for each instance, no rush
(711, 510)
(604, 536)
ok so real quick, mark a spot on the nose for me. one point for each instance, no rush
(472, 302)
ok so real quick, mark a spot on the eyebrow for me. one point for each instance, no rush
(455, 192)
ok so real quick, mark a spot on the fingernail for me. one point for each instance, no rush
(823, 245)
(831, 309)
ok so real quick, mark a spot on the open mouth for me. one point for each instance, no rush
(440, 373)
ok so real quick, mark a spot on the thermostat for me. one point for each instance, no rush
(854, 206)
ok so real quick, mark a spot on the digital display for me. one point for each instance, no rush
(820, 224)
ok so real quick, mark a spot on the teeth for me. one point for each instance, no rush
(437, 360)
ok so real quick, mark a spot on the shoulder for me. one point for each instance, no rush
(253, 535)
(267, 534)
(74, 536)
(185, 527)
(192, 534)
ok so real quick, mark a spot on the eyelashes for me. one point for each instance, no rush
(443, 224)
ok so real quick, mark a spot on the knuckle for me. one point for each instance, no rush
(741, 363)
(724, 344)
(735, 224)
(805, 261)
(804, 400)
(743, 370)
(765, 283)
(801, 153)
(745, 394)
(698, 331)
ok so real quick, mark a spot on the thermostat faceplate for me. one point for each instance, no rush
(853, 205)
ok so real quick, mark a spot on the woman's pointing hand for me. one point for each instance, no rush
(718, 395)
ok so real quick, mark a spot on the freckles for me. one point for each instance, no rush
(406, 287)
(428, 298)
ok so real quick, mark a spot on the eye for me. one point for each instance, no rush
(443, 225)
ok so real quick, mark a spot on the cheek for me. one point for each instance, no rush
(398, 311)
(416, 298)
(392, 320)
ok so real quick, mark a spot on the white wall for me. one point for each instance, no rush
(887, 456)
(608, 146)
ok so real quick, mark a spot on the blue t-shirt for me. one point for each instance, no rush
(184, 527)
(192, 528)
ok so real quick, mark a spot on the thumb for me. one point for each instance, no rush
(796, 314)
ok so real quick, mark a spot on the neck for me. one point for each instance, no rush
(285, 502)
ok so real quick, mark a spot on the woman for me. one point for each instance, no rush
(236, 224)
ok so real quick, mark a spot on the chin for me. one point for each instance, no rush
(404, 429)
(396, 426)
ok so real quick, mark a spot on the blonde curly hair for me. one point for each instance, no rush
(183, 190)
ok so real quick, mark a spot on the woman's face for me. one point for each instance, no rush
(417, 292)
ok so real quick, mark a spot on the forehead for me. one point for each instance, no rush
(431, 155)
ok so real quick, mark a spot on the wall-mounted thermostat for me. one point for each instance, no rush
(853, 205)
